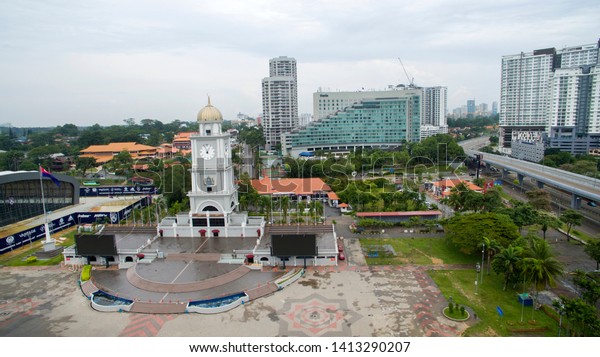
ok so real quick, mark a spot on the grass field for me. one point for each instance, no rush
(517, 320)
(420, 251)
(18, 256)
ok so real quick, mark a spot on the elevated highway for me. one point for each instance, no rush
(579, 186)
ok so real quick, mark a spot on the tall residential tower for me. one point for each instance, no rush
(553, 94)
(280, 99)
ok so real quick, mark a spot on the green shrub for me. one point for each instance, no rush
(86, 273)
(31, 259)
(462, 311)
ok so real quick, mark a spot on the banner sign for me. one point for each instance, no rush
(116, 191)
(30, 235)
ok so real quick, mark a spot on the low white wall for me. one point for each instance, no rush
(110, 308)
(289, 278)
(216, 310)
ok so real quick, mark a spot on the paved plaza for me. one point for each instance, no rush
(327, 301)
(351, 299)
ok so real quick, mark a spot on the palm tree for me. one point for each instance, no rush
(319, 209)
(492, 248)
(507, 262)
(285, 205)
(265, 206)
(539, 266)
(300, 209)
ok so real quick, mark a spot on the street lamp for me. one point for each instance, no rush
(477, 269)
(482, 255)
(561, 311)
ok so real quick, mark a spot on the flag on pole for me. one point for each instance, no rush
(50, 176)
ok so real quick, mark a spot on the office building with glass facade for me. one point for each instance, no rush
(371, 123)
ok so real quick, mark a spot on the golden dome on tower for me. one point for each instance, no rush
(210, 113)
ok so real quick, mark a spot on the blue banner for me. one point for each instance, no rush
(116, 191)
(27, 236)
(499, 310)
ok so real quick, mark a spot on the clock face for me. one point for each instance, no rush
(207, 152)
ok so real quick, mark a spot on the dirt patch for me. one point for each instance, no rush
(489, 332)
(310, 282)
(434, 261)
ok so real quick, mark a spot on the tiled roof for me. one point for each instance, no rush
(298, 186)
(332, 196)
(399, 214)
(117, 148)
(449, 183)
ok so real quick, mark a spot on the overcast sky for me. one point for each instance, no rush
(87, 62)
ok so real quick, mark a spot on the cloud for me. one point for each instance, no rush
(102, 61)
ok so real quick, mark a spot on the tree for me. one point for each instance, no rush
(175, 185)
(589, 288)
(265, 206)
(492, 200)
(571, 218)
(285, 205)
(522, 214)
(593, 250)
(540, 266)
(11, 160)
(507, 262)
(582, 319)
(492, 248)
(85, 163)
(122, 162)
(547, 220)
(467, 231)
(539, 199)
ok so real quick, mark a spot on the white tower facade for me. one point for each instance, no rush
(213, 197)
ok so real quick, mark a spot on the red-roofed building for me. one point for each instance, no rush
(344, 207)
(182, 141)
(165, 151)
(105, 153)
(395, 217)
(333, 199)
(444, 187)
(297, 188)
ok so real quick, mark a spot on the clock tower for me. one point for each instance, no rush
(213, 197)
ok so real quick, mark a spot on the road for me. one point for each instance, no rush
(582, 186)
(560, 199)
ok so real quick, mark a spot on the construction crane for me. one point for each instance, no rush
(411, 80)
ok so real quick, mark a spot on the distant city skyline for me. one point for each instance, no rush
(87, 63)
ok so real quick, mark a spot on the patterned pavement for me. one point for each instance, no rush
(328, 301)
(143, 325)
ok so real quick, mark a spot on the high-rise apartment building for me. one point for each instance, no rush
(550, 93)
(280, 99)
(435, 103)
(471, 107)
